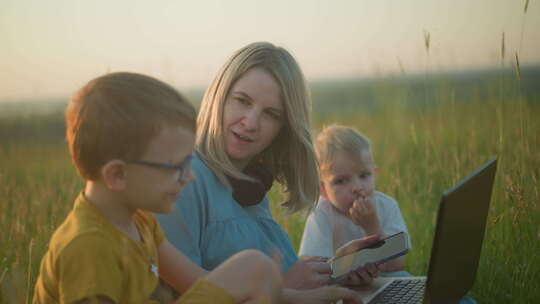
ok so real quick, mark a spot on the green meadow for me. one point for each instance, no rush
(427, 131)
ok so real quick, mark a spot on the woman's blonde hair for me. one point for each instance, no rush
(291, 156)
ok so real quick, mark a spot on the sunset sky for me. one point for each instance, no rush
(50, 48)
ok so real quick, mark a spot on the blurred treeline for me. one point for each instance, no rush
(42, 121)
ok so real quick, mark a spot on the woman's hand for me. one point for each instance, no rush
(321, 295)
(356, 245)
(308, 273)
(363, 276)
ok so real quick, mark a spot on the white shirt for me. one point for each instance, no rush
(327, 229)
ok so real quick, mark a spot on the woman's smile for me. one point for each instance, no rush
(243, 138)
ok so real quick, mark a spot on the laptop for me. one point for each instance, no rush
(459, 232)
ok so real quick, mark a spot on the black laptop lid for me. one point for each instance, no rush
(461, 222)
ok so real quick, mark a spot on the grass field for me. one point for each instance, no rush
(425, 138)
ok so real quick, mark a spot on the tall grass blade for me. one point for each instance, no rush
(523, 24)
(503, 50)
(29, 286)
(518, 69)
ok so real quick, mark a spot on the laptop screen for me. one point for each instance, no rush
(459, 233)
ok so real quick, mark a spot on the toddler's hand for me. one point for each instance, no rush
(364, 214)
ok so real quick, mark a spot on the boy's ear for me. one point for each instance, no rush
(113, 174)
(323, 190)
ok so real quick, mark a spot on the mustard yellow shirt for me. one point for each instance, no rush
(88, 256)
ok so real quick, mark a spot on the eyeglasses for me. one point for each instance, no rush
(183, 169)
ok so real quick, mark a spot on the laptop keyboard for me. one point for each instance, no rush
(402, 291)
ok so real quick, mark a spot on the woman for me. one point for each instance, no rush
(253, 128)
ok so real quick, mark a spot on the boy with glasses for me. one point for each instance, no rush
(131, 138)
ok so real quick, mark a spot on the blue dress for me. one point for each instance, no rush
(209, 226)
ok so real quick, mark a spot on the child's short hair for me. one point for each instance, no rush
(116, 115)
(335, 138)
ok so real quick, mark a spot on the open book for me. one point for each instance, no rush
(384, 250)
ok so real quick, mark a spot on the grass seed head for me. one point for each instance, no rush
(427, 38)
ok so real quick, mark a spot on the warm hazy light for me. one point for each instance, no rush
(50, 48)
